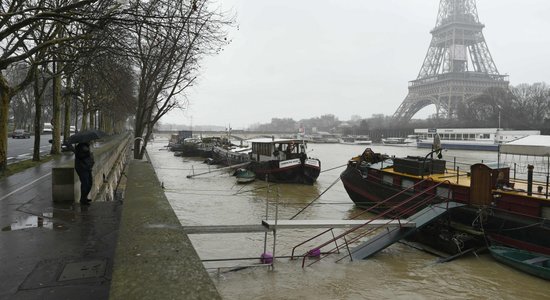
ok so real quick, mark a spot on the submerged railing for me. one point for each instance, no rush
(395, 211)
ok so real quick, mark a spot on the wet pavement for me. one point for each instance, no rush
(50, 250)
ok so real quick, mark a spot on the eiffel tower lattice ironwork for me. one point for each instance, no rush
(457, 67)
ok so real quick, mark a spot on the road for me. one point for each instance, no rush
(21, 149)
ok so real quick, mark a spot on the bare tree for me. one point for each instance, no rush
(18, 20)
(21, 105)
(532, 103)
(108, 90)
(170, 38)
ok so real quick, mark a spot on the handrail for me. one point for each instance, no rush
(404, 212)
(392, 209)
(365, 211)
(409, 209)
(401, 213)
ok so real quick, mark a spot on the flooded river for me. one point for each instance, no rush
(398, 272)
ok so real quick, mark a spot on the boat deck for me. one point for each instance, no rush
(462, 178)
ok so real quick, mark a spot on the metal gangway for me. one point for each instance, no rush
(273, 225)
(385, 239)
(421, 211)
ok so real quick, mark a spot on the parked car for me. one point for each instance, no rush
(20, 134)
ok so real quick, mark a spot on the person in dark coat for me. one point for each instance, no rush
(83, 164)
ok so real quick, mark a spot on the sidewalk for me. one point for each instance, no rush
(67, 251)
(50, 250)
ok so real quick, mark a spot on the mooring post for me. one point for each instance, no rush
(530, 179)
(454, 162)
(275, 228)
(547, 178)
(266, 211)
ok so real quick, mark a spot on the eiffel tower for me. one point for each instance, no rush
(457, 67)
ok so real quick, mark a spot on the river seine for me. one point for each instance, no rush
(397, 272)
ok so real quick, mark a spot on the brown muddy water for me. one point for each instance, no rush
(397, 272)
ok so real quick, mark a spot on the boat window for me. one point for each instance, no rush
(453, 137)
(472, 136)
(387, 179)
(444, 192)
(486, 136)
(406, 183)
(446, 136)
(262, 149)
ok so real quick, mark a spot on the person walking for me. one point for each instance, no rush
(83, 164)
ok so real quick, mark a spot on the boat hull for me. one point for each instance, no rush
(244, 176)
(461, 146)
(288, 171)
(227, 157)
(528, 262)
(366, 189)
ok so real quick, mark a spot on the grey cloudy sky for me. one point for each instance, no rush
(305, 58)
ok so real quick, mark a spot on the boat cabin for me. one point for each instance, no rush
(419, 166)
(267, 149)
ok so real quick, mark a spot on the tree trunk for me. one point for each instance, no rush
(138, 133)
(4, 110)
(84, 124)
(37, 119)
(92, 119)
(56, 105)
(67, 115)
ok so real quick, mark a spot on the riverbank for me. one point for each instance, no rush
(154, 258)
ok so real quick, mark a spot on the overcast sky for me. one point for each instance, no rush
(305, 58)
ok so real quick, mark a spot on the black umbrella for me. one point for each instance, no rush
(85, 136)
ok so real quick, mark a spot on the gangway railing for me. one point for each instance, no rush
(414, 208)
(402, 209)
(370, 209)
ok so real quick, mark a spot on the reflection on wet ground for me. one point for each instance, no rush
(57, 219)
(26, 222)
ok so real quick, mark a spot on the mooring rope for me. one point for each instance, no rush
(252, 190)
(334, 168)
(310, 203)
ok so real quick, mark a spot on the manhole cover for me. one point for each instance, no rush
(83, 269)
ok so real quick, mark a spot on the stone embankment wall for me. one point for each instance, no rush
(110, 157)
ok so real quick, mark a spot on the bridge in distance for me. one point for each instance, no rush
(236, 134)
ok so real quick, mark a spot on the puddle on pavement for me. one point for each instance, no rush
(26, 222)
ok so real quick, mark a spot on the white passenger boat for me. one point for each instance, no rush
(487, 139)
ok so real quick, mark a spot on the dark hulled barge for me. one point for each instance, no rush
(493, 208)
(283, 161)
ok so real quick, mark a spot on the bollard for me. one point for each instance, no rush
(530, 179)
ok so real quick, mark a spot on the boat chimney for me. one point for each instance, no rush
(530, 179)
